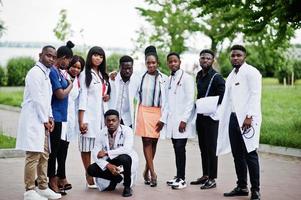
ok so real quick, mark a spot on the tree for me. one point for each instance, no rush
(2, 27)
(172, 21)
(264, 19)
(63, 27)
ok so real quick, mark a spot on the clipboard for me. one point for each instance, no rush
(207, 105)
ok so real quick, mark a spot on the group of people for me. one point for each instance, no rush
(66, 98)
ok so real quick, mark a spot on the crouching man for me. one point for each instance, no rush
(115, 158)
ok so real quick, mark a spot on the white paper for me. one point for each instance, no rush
(207, 105)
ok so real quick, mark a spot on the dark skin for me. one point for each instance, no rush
(174, 63)
(112, 122)
(206, 60)
(47, 57)
(126, 71)
(237, 58)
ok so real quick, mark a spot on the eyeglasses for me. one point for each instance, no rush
(248, 133)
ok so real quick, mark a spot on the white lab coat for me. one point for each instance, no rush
(36, 109)
(163, 80)
(91, 101)
(124, 142)
(72, 128)
(180, 98)
(246, 99)
(133, 91)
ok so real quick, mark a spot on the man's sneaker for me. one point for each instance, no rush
(49, 194)
(210, 183)
(33, 195)
(172, 181)
(179, 184)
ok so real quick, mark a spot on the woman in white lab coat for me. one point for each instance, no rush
(70, 132)
(94, 93)
(151, 115)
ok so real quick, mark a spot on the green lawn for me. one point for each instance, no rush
(281, 109)
(12, 98)
(7, 142)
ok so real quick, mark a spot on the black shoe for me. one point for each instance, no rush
(111, 187)
(237, 192)
(210, 183)
(199, 181)
(127, 191)
(255, 195)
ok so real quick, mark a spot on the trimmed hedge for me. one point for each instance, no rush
(17, 69)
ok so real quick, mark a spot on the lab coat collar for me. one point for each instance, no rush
(45, 69)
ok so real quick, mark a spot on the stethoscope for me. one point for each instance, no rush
(178, 83)
(121, 136)
(46, 77)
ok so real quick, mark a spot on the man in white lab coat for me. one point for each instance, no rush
(180, 122)
(114, 155)
(35, 124)
(124, 88)
(240, 121)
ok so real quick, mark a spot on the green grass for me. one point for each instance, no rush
(7, 142)
(281, 109)
(12, 98)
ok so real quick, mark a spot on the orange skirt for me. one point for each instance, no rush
(147, 118)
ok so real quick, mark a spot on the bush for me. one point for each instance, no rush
(17, 69)
(2, 76)
(113, 62)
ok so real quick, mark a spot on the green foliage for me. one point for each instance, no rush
(113, 62)
(17, 69)
(289, 69)
(63, 27)
(172, 21)
(265, 19)
(3, 78)
(163, 63)
(7, 142)
(224, 63)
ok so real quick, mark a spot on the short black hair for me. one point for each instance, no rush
(48, 46)
(126, 58)
(111, 112)
(239, 47)
(65, 50)
(173, 54)
(207, 51)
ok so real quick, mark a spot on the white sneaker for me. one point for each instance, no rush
(33, 195)
(171, 181)
(179, 184)
(94, 186)
(48, 193)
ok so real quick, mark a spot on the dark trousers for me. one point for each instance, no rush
(207, 129)
(125, 160)
(61, 159)
(242, 159)
(55, 142)
(180, 154)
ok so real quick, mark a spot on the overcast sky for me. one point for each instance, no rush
(107, 23)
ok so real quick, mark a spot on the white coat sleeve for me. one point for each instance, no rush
(189, 98)
(254, 82)
(127, 145)
(164, 105)
(101, 162)
(83, 92)
(34, 86)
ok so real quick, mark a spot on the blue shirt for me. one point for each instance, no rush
(59, 106)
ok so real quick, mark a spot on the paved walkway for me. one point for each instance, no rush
(280, 176)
